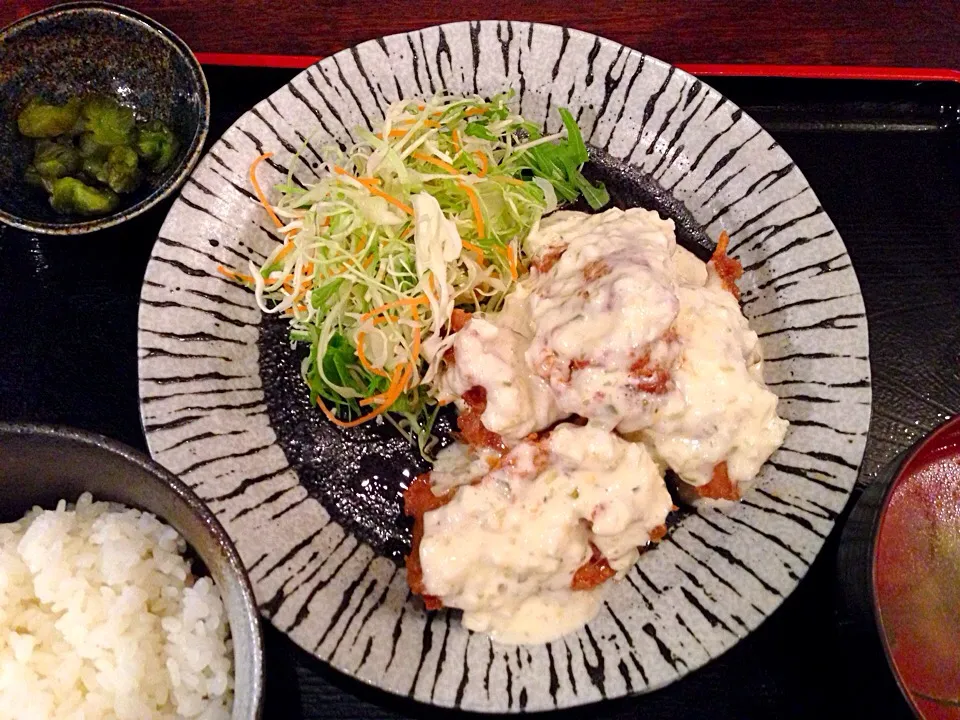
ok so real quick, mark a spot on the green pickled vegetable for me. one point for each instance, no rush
(109, 122)
(90, 148)
(120, 170)
(32, 177)
(70, 195)
(157, 145)
(46, 120)
(53, 160)
(93, 169)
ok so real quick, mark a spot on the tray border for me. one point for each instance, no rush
(824, 72)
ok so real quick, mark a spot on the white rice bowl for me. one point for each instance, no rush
(100, 617)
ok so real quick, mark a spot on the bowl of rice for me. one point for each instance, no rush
(121, 596)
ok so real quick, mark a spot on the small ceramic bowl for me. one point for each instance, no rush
(69, 50)
(899, 573)
(39, 465)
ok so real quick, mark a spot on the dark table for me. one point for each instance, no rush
(885, 162)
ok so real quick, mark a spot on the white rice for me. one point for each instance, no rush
(100, 617)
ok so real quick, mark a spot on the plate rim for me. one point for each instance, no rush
(867, 372)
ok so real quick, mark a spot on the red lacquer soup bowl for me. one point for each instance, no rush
(899, 578)
(916, 575)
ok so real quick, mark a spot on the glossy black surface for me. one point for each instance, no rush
(884, 159)
(92, 47)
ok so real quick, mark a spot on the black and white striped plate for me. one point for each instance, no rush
(315, 511)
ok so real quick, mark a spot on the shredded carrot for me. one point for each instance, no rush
(419, 300)
(512, 257)
(455, 137)
(476, 250)
(423, 157)
(475, 204)
(370, 185)
(284, 251)
(362, 180)
(474, 111)
(233, 275)
(259, 192)
(391, 199)
(728, 269)
(363, 358)
(404, 377)
(482, 157)
(341, 171)
(361, 242)
(360, 420)
(397, 132)
(397, 383)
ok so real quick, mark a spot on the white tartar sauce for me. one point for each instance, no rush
(720, 410)
(505, 548)
(602, 313)
(589, 336)
(618, 324)
(490, 353)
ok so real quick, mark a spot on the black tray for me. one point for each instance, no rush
(884, 159)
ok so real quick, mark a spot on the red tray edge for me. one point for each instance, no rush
(835, 72)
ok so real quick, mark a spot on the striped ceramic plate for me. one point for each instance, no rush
(315, 511)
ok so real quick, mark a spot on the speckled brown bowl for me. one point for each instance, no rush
(39, 465)
(72, 49)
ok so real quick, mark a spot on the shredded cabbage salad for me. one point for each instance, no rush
(427, 214)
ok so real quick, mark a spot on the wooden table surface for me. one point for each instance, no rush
(831, 32)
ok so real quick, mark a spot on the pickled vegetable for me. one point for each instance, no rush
(46, 120)
(32, 177)
(54, 160)
(157, 145)
(120, 170)
(109, 122)
(89, 150)
(70, 195)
